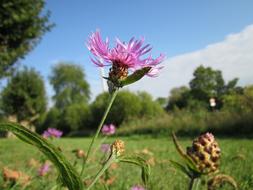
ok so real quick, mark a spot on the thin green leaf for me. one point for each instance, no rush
(181, 168)
(68, 175)
(137, 75)
(145, 168)
(185, 157)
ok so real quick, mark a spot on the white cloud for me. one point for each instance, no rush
(233, 56)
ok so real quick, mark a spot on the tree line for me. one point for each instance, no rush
(24, 98)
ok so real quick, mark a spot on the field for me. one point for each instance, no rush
(237, 159)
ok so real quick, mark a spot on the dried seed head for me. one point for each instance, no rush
(205, 152)
(220, 179)
(118, 147)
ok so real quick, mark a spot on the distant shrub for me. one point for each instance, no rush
(75, 117)
(187, 123)
(127, 106)
(49, 120)
(148, 106)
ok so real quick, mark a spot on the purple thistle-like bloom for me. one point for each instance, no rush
(44, 169)
(52, 132)
(105, 148)
(108, 129)
(126, 56)
(137, 187)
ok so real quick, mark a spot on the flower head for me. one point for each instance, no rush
(16, 176)
(118, 147)
(123, 57)
(79, 153)
(137, 187)
(44, 169)
(205, 152)
(52, 132)
(108, 129)
(105, 148)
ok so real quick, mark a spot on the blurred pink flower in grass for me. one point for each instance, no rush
(108, 129)
(124, 55)
(105, 148)
(44, 169)
(52, 132)
(137, 187)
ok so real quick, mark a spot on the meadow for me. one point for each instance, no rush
(236, 161)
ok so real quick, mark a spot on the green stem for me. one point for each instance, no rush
(98, 129)
(191, 183)
(101, 171)
(98, 146)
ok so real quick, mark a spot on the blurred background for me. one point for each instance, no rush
(48, 80)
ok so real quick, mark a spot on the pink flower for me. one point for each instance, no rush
(52, 132)
(44, 169)
(105, 148)
(137, 187)
(123, 56)
(108, 129)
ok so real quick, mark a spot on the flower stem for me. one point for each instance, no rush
(98, 129)
(98, 146)
(191, 183)
(101, 171)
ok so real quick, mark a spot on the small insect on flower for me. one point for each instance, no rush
(52, 132)
(124, 57)
(137, 187)
(44, 169)
(108, 129)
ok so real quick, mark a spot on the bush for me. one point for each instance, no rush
(186, 123)
(126, 106)
(148, 106)
(75, 117)
(49, 120)
(24, 96)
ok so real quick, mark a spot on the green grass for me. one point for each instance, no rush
(237, 161)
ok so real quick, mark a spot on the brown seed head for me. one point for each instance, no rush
(205, 153)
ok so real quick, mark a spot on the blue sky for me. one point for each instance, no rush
(174, 27)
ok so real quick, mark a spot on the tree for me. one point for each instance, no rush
(162, 101)
(70, 86)
(24, 96)
(22, 25)
(148, 106)
(239, 102)
(127, 105)
(72, 93)
(74, 117)
(178, 98)
(208, 83)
